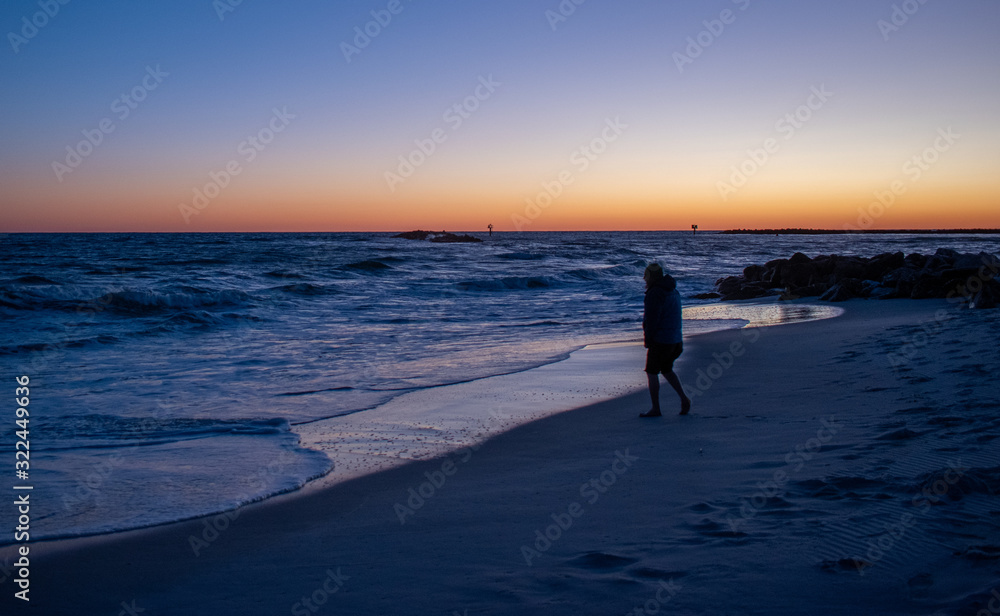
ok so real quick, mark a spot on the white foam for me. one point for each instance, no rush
(428, 423)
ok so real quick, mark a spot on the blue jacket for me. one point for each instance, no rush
(661, 319)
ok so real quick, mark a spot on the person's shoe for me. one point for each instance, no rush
(685, 407)
(651, 413)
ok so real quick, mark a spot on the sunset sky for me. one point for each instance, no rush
(531, 114)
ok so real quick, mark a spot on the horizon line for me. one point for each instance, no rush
(735, 231)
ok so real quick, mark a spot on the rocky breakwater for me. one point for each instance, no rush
(945, 274)
(439, 238)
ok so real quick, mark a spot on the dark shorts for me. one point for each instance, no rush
(660, 357)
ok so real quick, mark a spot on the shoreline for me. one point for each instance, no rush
(461, 549)
(429, 422)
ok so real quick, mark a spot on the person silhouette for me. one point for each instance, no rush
(662, 334)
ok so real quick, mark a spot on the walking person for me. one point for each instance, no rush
(662, 336)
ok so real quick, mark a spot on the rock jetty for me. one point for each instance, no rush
(442, 237)
(948, 274)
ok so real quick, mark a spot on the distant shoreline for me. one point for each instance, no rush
(858, 231)
(508, 232)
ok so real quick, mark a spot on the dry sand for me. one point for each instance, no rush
(813, 476)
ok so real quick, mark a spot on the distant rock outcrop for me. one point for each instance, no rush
(945, 274)
(442, 237)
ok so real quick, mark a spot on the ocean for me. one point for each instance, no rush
(169, 372)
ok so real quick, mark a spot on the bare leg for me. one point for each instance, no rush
(676, 384)
(654, 394)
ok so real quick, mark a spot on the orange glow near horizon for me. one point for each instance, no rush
(238, 212)
(614, 196)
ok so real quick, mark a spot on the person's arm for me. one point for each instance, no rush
(653, 306)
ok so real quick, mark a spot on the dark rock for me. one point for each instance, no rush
(880, 265)
(451, 238)
(730, 285)
(754, 273)
(874, 290)
(928, 286)
(987, 297)
(797, 273)
(813, 290)
(747, 292)
(885, 276)
(837, 293)
(958, 287)
(848, 267)
(413, 235)
(959, 277)
(974, 261)
(856, 286)
(825, 266)
(440, 238)
(901, 275)
(915, 260)
(772, 272)
(943, 258)
(706, 296)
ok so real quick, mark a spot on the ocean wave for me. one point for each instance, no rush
(155, 301)
(205, 261)
(510, 283)
(284, 275)
(535, 324)
(305, 288)
(368, 266)
(31, 279)
(108, 431)
(522, 256)
(82, 299)
(71, 343)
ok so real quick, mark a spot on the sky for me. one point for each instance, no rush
(532, 115)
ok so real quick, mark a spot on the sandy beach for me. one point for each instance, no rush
(842, 466)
